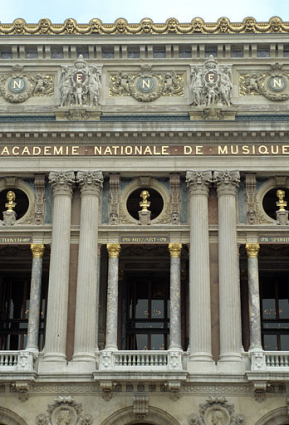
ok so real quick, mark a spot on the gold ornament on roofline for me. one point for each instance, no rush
(146, 26)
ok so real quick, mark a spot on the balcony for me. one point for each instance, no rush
(148, 360)
(17, 362)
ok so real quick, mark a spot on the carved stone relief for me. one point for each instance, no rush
(39, 184)
(146, 85)
(114, 199)
(64, 411)
(211, 84)
(251, 198)
(217, 411)
(80, 84)
(175, 198)
(273, 84)
(18, 86)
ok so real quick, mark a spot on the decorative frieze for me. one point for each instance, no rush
(146, 26)
(18, 86)
(273, 84)
(147, 85)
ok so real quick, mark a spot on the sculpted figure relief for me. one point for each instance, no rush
(211, 84)
(80, 84)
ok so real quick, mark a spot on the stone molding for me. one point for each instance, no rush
(62, 182)
(90, 182)
(227, 182)
(199, 182)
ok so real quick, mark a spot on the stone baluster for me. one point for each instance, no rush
(254, 298)
(175, 296)
(112, 297)
(200, 301)
(55, 339)
(35, 298)
(87, 277)
(229, 288)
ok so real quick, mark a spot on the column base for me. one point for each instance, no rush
(201, 363)
(231, 364)
(83, 357)
(54, 357)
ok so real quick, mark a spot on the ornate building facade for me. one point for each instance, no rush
(144, 224)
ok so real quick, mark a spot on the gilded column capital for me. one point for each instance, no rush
(199, 181)
(227, 182)
(62, 182)
(113, 250)
(37, 250)
(175, 250)
(90, 182)
(252, 250)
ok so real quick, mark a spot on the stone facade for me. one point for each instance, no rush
(144, 224)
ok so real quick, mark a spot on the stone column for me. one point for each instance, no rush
(87, 276)
(229, 288)
(55, 339)
(175, 296)
(254, 299)
(200, 300)
(35, 297)
(112, 297)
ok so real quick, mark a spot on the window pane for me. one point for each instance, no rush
(157, 342)
(283, 301)
(284, 342)
(141, 342)
(270, 342)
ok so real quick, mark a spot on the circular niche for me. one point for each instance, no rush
(270, 199)
(22, 202)
(156, 200)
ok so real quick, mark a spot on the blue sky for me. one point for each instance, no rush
(134, 11)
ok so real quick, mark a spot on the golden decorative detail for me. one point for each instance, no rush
(252, 250)
(146, 26)
(37, 250)
(175, 250)
(10, 198)
(281, 203)
(145, 204)
(113, 250)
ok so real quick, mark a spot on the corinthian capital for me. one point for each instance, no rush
(62, 182)
(198, 181)
(227, 182)
(90, 182)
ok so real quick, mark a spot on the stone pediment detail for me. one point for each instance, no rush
(146, 85)
(18, 85)
(217, 411)
(80, 84)
(273, 84)
(64, 411)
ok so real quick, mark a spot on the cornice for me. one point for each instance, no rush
(146, 26)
